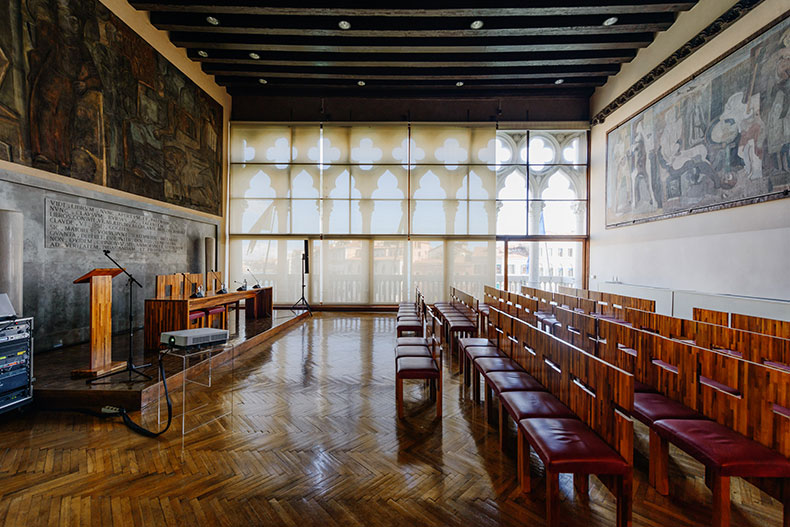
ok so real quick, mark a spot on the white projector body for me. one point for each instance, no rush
(189, 338)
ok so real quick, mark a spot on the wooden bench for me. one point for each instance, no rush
(420, 361)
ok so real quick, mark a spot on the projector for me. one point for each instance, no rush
(190, 338)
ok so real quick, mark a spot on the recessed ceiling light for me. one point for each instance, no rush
(612, 20)
(212, 20)
(477, 24)
(202, 53)
(254, 56)
(459, 83)
(263, 81)
(361, 83)
(344, 24)
(559, 81)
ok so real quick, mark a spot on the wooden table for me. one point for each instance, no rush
(172, 314)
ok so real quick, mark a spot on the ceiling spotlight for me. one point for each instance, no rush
(212, 20)
(202, 53)
(344, 24)
(477, 24)
(254, 56)
(559, 81)
(612, 20)
(262, 81)
(459, 83)
(360, 83)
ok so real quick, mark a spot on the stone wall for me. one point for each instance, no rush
(67, 228)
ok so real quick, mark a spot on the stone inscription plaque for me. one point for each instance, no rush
(77, 226)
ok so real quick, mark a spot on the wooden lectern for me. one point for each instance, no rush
(101, 323)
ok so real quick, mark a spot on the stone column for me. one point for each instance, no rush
(11, 256)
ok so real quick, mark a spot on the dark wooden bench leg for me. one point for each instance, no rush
(552, 498)
(720, 485)
(399, 397)
(582, 483)
(658, 464)
(439, 395)
(489, 403)
(786, 517)
(503, 415)
(475, 384)
(524, 480)
(624, 496)
(467, 373)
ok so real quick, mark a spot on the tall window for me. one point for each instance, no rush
(390, 207)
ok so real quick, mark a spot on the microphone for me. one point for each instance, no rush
(257, 282)
(243, 285)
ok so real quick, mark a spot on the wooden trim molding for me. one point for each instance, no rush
(732, 15)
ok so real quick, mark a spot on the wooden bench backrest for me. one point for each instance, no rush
(767, 326)
(669, 366)
(169, 285)
(501, 329)
(670, 327)
(566, 301)
(709, 316)
(546, 299)
(213, 280)
(586, 305)
(528, 308)
(578, 329)
(600, 394)
(529, 291)
(565, 290)
(191, 282)
(750, 398)
(754, 347)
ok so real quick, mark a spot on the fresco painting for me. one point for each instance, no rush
(83, 96)
(719, 140)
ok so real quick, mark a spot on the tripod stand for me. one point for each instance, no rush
(303, 301)
(130, 367)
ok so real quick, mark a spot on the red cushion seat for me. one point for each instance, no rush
(416, 368)
(194, 315)
(411, 341)
(215, 310)
(568, 445)
(524, 405)
(717, 446)
(461, 325)
(489, 364)
(474, 341)
(412, 351)
(510, 381)
(479, 352)
(651, 407)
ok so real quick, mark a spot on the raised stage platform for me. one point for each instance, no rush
(54, 387)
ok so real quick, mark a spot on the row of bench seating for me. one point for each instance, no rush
(727, 412)
(418, 356)
(570, 407)
(460, 319)
(766, 326)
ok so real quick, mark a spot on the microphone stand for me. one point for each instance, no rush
(130, 367)
(302, 302)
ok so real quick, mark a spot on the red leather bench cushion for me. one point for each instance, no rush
(479, 352)
(411, 341)
(216, 310)
(523, 405)
(488, 364)
(412, 351)
(717, 446)
(461, 325)
(408, 323)
(510, 381)
(474, 341)
(416, 368)
(650, 407)
(194, 315)
(568, 445)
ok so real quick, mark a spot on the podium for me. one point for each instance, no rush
(101, 323)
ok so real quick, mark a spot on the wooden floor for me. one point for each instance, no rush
(313, 440)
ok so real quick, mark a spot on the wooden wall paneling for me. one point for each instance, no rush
(709, 316)
(768, 326)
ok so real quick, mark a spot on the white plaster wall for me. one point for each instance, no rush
(738, 251)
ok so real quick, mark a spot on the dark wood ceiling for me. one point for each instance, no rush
(412, 48)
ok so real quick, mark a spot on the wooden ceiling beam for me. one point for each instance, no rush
(498, 9)
(263, 43)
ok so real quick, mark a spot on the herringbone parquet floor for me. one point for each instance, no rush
(313, 440)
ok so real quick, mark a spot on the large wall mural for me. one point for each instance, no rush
(719, 140)
(82, 95)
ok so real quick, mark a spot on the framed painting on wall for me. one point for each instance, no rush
(719, 140)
